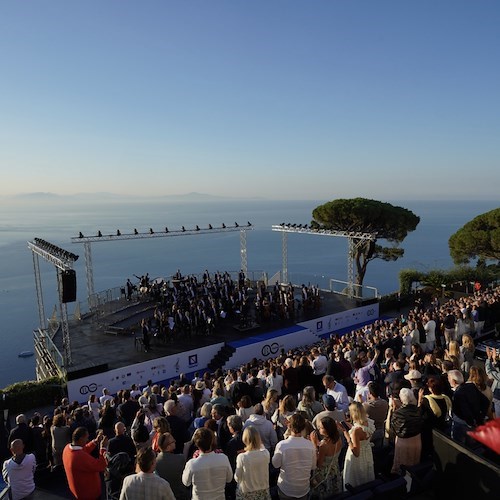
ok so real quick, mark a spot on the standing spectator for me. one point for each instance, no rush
(209, 473)
(19, 471)
(407, 426)
(469, 406)
(308, 403)
(60, 437)
(327, 479)
(128, 409)
(121, 443)
(430, 332)
(330, 410)
(493, 372)
(146, 484)
(449, 323)
(296, 458)
(358, 465)
(290, 378)
(264, 427)
(270, 403)
(169, 466)
(22, 431)
(338, 391)
(319, 365)
(82, 469)
(376, 409)
(252, 468)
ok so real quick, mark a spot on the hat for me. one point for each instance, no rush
(200, 385)
(413, 375)
(329, 401)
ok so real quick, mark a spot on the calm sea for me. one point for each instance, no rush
(310, 259)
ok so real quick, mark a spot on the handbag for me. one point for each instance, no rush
(315, 479)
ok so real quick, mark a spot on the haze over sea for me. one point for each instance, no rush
(310, 259)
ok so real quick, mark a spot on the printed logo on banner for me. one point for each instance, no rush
(86, 389)
(370, 312)
(269, 349)
(193, 360)
(319, 326)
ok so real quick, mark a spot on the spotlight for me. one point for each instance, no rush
(183, 229)
(151, 231)
(136, 232)
(210, 226)
(249, 224)
(99, 234)
(81, 235)
(223, 226)
(197, 227)
(118, 233)
(166, 229)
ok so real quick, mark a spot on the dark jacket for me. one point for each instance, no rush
(406, 421)
(470, 404)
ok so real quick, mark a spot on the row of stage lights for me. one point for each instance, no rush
(54, 250)
(297, 226)
(182, 230)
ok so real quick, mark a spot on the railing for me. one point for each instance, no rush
(6, 493)
(49, 361)
(359, 291)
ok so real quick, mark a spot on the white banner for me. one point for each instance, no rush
(333, 322)
(269, 347)
(158, 370)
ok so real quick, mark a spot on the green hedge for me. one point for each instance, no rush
(23, 396)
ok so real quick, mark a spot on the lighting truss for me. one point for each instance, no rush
(153, 233)
(354, 238)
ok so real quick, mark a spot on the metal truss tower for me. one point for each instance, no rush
(62, 260)
(355, 239)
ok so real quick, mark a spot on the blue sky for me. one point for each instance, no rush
(277, 98)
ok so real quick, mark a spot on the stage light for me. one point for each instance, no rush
(99, 234)
(81, 235)
(223, 226)
(166, 229)
(136, 232)
(118, 233)
(236, 224)
(183, 229)
(249, 224)
(197, 227)
(151, 231)
(210, 226)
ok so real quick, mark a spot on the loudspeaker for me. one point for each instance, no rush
(68, 286)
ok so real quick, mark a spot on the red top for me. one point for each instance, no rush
(82, 470)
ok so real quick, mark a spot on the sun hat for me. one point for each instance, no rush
(200, 385)
(413, 375)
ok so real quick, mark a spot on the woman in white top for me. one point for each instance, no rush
(275, 380)
(94, 407)
(252, 468)
(245, 408)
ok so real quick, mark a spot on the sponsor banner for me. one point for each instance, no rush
(270, 346)
(157, 370)
(333, 322)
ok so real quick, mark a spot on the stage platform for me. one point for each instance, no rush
(107, 341)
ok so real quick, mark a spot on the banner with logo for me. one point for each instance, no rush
(158, 370)
(333, 322)
(269, 345)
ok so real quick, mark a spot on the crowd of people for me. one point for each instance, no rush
(309, 423)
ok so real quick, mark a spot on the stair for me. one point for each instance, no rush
(221, 358)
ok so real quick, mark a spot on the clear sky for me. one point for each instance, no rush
(274, 98)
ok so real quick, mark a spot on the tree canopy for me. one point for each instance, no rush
(384, 220)
(479, 238)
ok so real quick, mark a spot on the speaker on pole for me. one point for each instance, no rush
(68, 286)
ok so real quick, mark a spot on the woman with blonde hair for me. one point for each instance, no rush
(454, 351)
(358, 464)
(286, 408)
(308, 403)
(252, 468)
(160, 426)
(467, 349)
(270, 403)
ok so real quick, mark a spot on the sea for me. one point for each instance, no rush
(311, 259)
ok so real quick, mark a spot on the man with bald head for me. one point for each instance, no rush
(19, 471)
(122, 442)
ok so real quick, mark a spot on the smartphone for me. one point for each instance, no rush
(345, 426)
